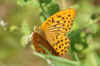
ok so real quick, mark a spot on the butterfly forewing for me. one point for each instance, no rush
(62, 21)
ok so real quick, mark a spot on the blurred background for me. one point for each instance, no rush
(18, 18)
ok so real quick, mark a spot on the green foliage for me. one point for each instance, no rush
(47, 8)
(45, 1)
(53, 8)
(23, 3)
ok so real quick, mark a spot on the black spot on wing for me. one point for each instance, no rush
(52, 19)
(69, 15)
(57, 42)
(58, 16)
(63, 18)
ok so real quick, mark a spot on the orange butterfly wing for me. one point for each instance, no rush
(53, 30)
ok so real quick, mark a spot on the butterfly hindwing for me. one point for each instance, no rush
(61, 44)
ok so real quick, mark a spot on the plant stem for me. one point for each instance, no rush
(44, 12)
(57, 59)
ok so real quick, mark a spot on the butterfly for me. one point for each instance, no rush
(52, 33)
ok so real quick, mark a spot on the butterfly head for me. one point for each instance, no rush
(36, 28)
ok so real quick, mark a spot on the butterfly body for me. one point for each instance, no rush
(54, 30)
